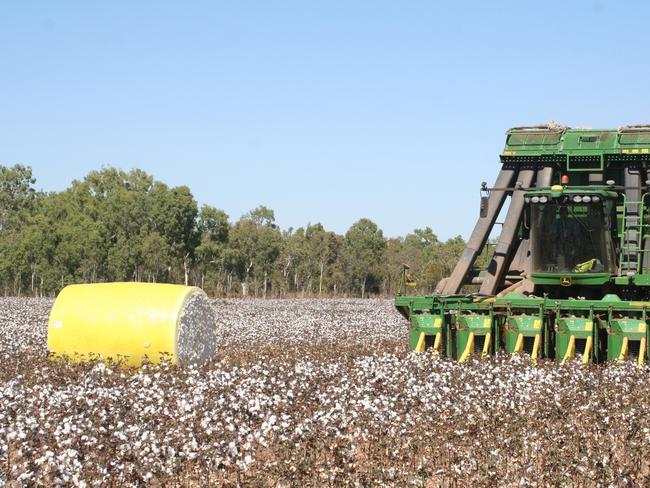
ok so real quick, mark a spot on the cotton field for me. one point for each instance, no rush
(314, 393)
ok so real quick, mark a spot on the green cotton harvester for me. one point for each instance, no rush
(568, 277)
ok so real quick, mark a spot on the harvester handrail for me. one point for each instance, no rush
(634, 128)
(511, 188)
(584, 188)
(538, 128)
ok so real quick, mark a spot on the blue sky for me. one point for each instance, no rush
(323, 111)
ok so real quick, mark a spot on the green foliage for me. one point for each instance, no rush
(365, 246)
(17, 195)
(426, 256)
(256, 244)
(124, 225)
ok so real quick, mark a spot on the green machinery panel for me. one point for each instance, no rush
(626, 337)
(425, 332)
(574, 337)
(474, 334)
(523, 333)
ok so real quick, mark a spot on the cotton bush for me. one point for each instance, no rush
(313, 393)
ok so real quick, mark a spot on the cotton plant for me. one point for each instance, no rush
(314, 392)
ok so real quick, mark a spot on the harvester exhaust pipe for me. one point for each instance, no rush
(132, 321)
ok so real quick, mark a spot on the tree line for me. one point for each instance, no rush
(115, 225)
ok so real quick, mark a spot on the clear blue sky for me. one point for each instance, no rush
(323, 111)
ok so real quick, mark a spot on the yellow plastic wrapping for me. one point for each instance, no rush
(118, 320)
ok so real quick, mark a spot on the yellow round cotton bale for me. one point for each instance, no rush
(131, 321)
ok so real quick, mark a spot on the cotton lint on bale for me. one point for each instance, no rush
(131, 321)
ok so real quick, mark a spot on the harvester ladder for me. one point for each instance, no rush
(632, 234)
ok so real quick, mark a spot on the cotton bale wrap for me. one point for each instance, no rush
(132, 320)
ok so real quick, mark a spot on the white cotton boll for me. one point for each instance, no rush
(326, 384)
(232, 449)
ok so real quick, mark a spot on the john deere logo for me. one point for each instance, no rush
(566, 281)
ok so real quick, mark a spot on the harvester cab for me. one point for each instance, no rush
(569, 274)
(572, 234)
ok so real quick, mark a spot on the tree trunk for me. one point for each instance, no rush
(265, 278)
(363, 286)
(186, 269)
(244, 285)
(285, 272)
(320, 281)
